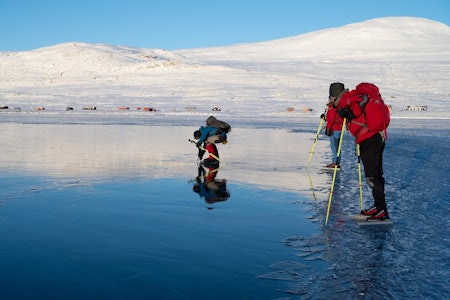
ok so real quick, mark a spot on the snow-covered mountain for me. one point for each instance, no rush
(383, 39)
(408, 58)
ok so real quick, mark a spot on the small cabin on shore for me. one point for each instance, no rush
(417, 107)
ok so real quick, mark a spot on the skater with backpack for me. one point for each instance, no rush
(367, 119)
(208, 136)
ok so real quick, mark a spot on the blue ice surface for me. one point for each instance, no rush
(142, 239)
(135, 237)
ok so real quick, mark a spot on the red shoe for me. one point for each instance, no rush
(370, 212)
(380, 216)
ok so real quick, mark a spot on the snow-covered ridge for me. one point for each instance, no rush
(408, 58)
(81, 58)
(95, 52)
(381, 39)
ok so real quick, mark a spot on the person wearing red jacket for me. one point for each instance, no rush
(334, 122)
(349, 106)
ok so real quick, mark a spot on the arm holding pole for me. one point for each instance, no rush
(204, 149)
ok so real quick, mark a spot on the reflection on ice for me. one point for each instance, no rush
(209, 187)
(265, 157)
(95, 151)
(111, 207)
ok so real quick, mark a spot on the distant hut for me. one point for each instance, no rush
(417, 107)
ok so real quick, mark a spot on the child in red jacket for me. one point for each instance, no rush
(334, 122)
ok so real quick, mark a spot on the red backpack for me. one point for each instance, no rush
(376, 112)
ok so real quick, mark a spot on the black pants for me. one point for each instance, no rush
(371, 151)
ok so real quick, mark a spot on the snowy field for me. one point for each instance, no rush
(407, 58)
(106, 208)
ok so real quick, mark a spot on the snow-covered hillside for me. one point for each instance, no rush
(383, 39)
(408, 58)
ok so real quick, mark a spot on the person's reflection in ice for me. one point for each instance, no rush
(208, 186)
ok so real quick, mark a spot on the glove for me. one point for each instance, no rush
(200, 153)
(346, 113)
(328, 131)
(322, 116)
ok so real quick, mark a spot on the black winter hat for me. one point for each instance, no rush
(336, 88)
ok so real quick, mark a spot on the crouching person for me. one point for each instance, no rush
(213, 133)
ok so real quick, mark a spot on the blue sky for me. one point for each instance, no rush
(177, 24)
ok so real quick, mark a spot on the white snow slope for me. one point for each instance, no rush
(408, 58)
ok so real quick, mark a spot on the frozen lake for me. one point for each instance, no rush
(109, 207)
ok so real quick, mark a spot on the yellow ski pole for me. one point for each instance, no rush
(359, 177)
(335, 171)
(204, 149)
(315, 139)
(311, 184)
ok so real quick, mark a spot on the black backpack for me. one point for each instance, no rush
(223, 126)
